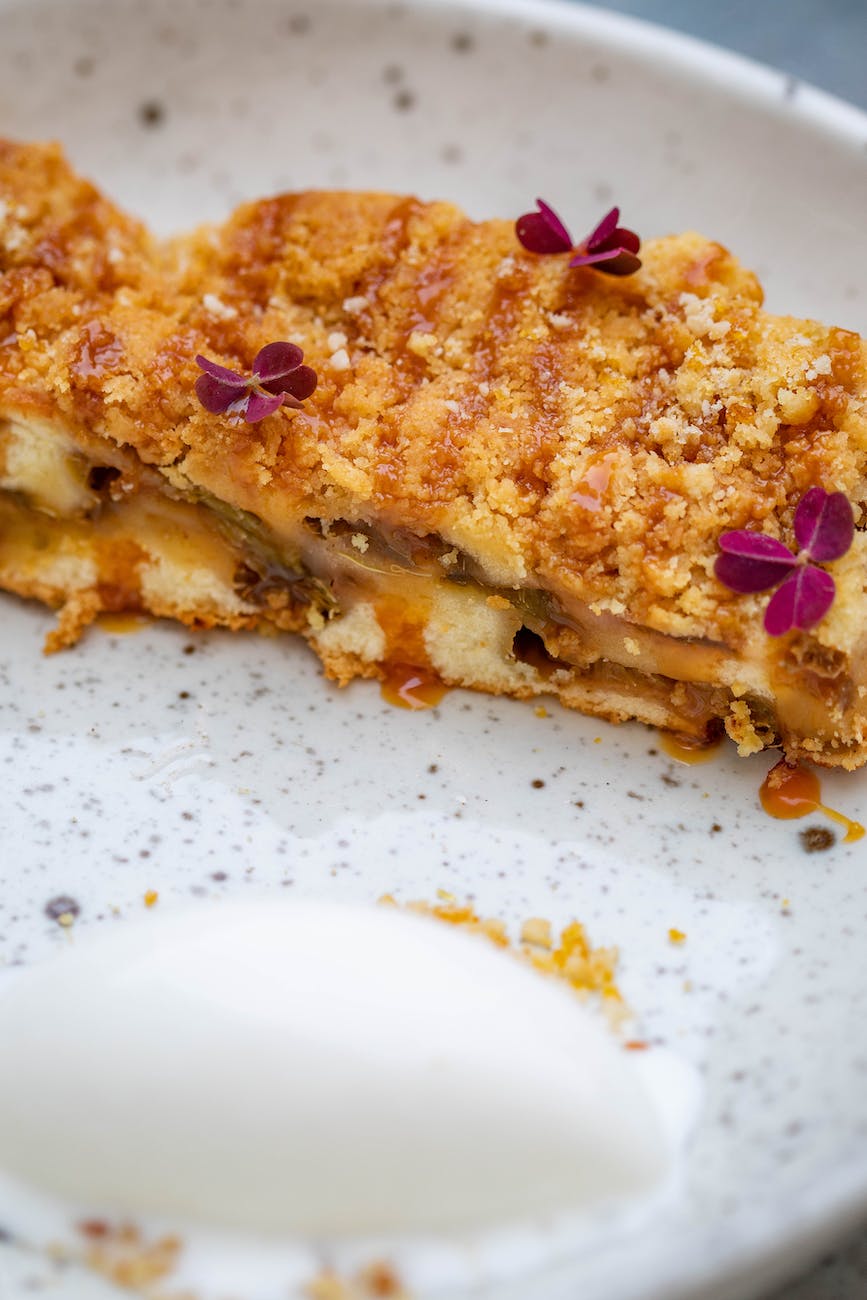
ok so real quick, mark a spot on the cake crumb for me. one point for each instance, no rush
(536, 931)
(121, 1255)
(377, 1281)
(339, 360)
(216, 307)
(821, 366)
(569, 957)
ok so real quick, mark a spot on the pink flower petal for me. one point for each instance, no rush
(824, 525)
(752, 561)
(626, 239)
(222, 373)
(802, 601)
(613, 261)
(553, 222)
(745, 575)
(276, 360)
(543, 231)
(603, 231)
(592, 259)
(215, 395)
(759, 546)
(261, 405)
(300, 384)
(623, 264)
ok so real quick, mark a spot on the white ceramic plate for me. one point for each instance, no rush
(131, 765)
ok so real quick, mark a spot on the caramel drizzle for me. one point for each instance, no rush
(792, 791)
(394, 242)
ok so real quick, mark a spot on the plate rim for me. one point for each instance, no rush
(786, 1251)
(692, 56)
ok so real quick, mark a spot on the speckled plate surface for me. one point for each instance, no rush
(220, 765)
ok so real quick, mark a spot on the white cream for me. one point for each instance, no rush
(314, 1069)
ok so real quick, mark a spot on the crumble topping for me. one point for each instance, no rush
(482, 378)
(218, 308)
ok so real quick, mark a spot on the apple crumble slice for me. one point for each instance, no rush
(509, 469)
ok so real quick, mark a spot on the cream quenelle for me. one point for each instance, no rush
(307, 1068)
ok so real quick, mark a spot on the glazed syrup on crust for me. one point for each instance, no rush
(590, 492)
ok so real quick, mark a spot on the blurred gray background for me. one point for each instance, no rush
(823, 42)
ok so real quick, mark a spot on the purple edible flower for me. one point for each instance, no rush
(278, 379)
(610, 248)
(543, 231)
(750, 562)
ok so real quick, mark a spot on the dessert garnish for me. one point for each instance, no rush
(610, 248)
(278, 379)
(752, 561)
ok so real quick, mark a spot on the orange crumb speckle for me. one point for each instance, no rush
(541, 711)
(536, 932)
(150, 897)
(676, 936)
(122, 1255)
(372, 1283)
(570, 957)
(380, 1280)
(636, 1045)
(94, 1228)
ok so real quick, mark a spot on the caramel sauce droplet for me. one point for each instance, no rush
(122, 624)
(689, 749)
(790, 791)
(408, 687)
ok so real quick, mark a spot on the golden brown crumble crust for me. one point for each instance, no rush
(569, 431)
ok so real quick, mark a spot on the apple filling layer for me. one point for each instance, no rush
(109, 537)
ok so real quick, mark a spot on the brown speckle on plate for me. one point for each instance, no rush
(817, 839)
